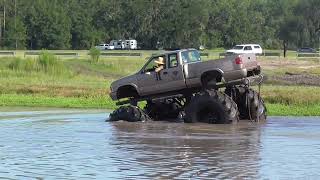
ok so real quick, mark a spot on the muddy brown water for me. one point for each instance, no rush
(79, 144)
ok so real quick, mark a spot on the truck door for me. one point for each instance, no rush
(147, 78)
(172, 76)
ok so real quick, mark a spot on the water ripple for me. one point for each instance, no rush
(80, 145)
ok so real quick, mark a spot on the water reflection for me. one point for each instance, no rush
(191, 151)
(80, 145)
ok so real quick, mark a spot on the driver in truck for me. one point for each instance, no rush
(160, 66)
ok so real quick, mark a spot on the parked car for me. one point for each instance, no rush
(306, 50)
(246, 48)
(104, 47)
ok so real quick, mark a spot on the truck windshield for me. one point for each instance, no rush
(190, 56)
(238, 47)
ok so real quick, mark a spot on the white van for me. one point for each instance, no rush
(246, 48)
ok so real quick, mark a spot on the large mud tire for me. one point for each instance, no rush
(211, 106)
(129, 113)
(162, 110)
(251, 105)
(257, 110)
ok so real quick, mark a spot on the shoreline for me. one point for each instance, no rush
(36, 101)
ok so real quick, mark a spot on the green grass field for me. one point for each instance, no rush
(79, 83)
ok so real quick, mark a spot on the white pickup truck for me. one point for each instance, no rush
(245, 49)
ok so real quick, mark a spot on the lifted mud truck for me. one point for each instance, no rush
(188, 88)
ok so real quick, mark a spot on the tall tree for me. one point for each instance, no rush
(48, 25)
(83, 33)
(78, 24)
(16, 35)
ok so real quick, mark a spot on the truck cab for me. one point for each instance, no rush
(172, 77)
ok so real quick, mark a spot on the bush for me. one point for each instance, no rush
(95, 54)
(46, 62)
(49, 63)
(27, 65)
(17, 64)
(30, 65)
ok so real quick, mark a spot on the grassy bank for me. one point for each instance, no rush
(56, 101)
(293, 110)
(16, 100)
(79, 83)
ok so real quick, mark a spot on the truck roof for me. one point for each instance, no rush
(247, 45)
(175, 51)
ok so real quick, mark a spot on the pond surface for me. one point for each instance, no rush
(79, 144)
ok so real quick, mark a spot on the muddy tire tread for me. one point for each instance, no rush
(162, 110)
(254, 102)
(225, 103)
(129, 113)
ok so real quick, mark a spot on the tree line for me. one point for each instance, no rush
(80, 24)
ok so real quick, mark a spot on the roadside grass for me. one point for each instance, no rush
(86, 85)
(291, 95)
(115, 67)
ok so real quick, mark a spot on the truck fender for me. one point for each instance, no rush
(128, 90)
(215, 74)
